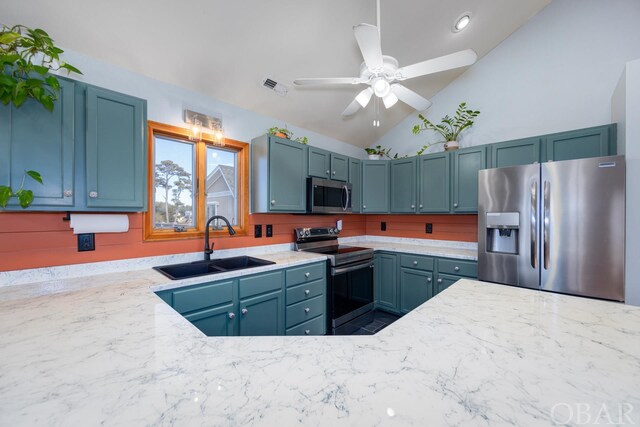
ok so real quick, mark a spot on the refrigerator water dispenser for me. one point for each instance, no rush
(502, 232)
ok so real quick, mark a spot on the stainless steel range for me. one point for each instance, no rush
(349, 278)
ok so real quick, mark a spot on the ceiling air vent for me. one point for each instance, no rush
(273, 85)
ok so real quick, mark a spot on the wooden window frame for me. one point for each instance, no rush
(197, 232)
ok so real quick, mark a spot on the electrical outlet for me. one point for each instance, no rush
(428, 228)
(86, 242)
(383, 226)
(269, 230)
(257, 231)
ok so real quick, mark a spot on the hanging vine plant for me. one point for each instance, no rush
(27, 56)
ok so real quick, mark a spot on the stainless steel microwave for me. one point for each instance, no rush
(325, 196)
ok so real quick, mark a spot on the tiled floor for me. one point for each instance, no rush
(380, 321)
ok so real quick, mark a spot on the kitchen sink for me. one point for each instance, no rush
(203, 268)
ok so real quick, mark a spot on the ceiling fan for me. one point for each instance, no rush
(382, 72)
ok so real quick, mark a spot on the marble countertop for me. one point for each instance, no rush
(460, 250)
(476, 354)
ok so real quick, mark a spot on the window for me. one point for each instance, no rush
(191, 181)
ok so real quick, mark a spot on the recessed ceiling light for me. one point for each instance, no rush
(461, 22)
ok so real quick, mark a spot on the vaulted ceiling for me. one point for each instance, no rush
(226, 48)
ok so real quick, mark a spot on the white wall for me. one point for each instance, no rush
(166, 103)
(555, 73)
(625, 106)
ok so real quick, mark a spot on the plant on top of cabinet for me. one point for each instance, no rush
(287, 134)
(449, 127)
(377, 152)
(26, 57)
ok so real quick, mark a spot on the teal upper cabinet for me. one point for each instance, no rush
(115, 150)
(375, 186)
(319, 163)
(466, 164)
(578, 144)
(403, 185)
(515, 153)
(324, 164)
(434, 183)
(339, 167)
(355, 178)
(32, 138)
(278, 175)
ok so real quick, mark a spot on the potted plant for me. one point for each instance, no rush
(449, 127)
(26, 58)
(287, 134)
(377, 152)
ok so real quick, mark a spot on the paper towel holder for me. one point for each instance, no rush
(68, 217)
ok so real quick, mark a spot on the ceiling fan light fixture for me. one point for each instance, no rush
(390, 100)
(462, 22)
(381, 87)
(364, 97)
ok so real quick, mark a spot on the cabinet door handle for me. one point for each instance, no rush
(306, 291)
(439, 280)
(420, 206)
(273, 202)
(307, 331)
(232, 315)
(455, 205)
(456, 268)
(68, 193)
(333, 173)
(93, 194)
(244, 311)
(428, 279)
(413, 206)
(307, 274)
(328, 171)
(306, 310)
(364, 206)
(415, 262)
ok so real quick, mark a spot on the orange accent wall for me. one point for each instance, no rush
(35, 239)
(463, 228)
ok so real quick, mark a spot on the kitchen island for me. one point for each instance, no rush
(113, 353)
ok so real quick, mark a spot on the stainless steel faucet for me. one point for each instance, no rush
(208, 250)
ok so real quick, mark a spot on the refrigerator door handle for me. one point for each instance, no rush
(532, 223)
(545, 224)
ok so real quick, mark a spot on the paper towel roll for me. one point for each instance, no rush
(99, 223)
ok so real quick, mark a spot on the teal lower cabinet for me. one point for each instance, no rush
(403, 282)
(262, 315)
(214, 322)
(289, 301)
(416, 287)
(385, 281)
(306, 300)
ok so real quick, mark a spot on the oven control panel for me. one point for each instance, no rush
(315, 233)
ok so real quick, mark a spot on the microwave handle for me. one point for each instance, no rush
(345, 197)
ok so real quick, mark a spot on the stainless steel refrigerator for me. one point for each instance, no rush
(557, 226)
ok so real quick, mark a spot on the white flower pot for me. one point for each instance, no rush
(374, 156)
(451, 145)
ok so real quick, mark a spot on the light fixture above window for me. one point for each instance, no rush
(199, 122)
(462, 22)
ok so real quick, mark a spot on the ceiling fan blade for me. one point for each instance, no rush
(435, 65)
(351, 108)
(368, 38)
(410, 98)
(328, 81)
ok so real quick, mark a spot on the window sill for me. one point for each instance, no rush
(191, 235)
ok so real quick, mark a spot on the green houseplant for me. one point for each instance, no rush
(377, 152)
(449, 127)
(26, 58)
(287, 134)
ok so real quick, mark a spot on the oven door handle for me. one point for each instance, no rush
(336, 271)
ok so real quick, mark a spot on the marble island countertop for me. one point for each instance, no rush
(476, 354)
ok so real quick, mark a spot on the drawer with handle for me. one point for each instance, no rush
(305, 310)
(419, 262)
(312, 327)
(306, 291)
(458, 267)
(305, 274)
